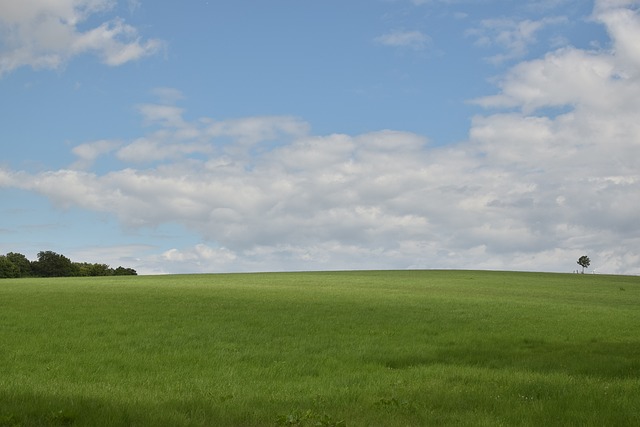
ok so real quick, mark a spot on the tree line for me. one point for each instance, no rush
(51, 264)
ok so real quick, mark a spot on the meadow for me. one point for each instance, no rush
(369, 348)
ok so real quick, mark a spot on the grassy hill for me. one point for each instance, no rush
(327, 348)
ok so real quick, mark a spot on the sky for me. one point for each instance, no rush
(207, 136)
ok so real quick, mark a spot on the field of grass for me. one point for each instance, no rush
(392, 348)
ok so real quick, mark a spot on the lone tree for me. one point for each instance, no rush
(584, 262)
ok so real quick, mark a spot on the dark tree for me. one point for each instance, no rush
(20, 261)
(51, 264)
(100, 270)
(8, 270)
(584, 262)
(121, 271)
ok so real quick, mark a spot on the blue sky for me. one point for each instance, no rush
(214, 136)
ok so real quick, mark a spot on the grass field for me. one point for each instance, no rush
(393, 348)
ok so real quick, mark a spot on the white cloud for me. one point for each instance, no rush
(553, 177)
(566, 77)
(411, 39)
(45, 34)
(200, 258)
(87, 153)
(176, 138)
(623, 25)
(525, 192)
(512, 35)
(251, 130)
(159, 147)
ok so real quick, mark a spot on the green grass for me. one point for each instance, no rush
(396, 348)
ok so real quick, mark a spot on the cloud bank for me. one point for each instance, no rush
(549, 173)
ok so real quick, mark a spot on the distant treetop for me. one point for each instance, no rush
(51, 264)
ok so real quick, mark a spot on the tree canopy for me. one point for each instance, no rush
(584, 262)
(51, 264)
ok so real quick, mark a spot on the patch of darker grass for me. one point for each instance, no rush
(612, 360)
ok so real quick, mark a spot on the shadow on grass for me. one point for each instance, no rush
(30, 409)
(26, 409)
(594, 359)
(34, 410)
